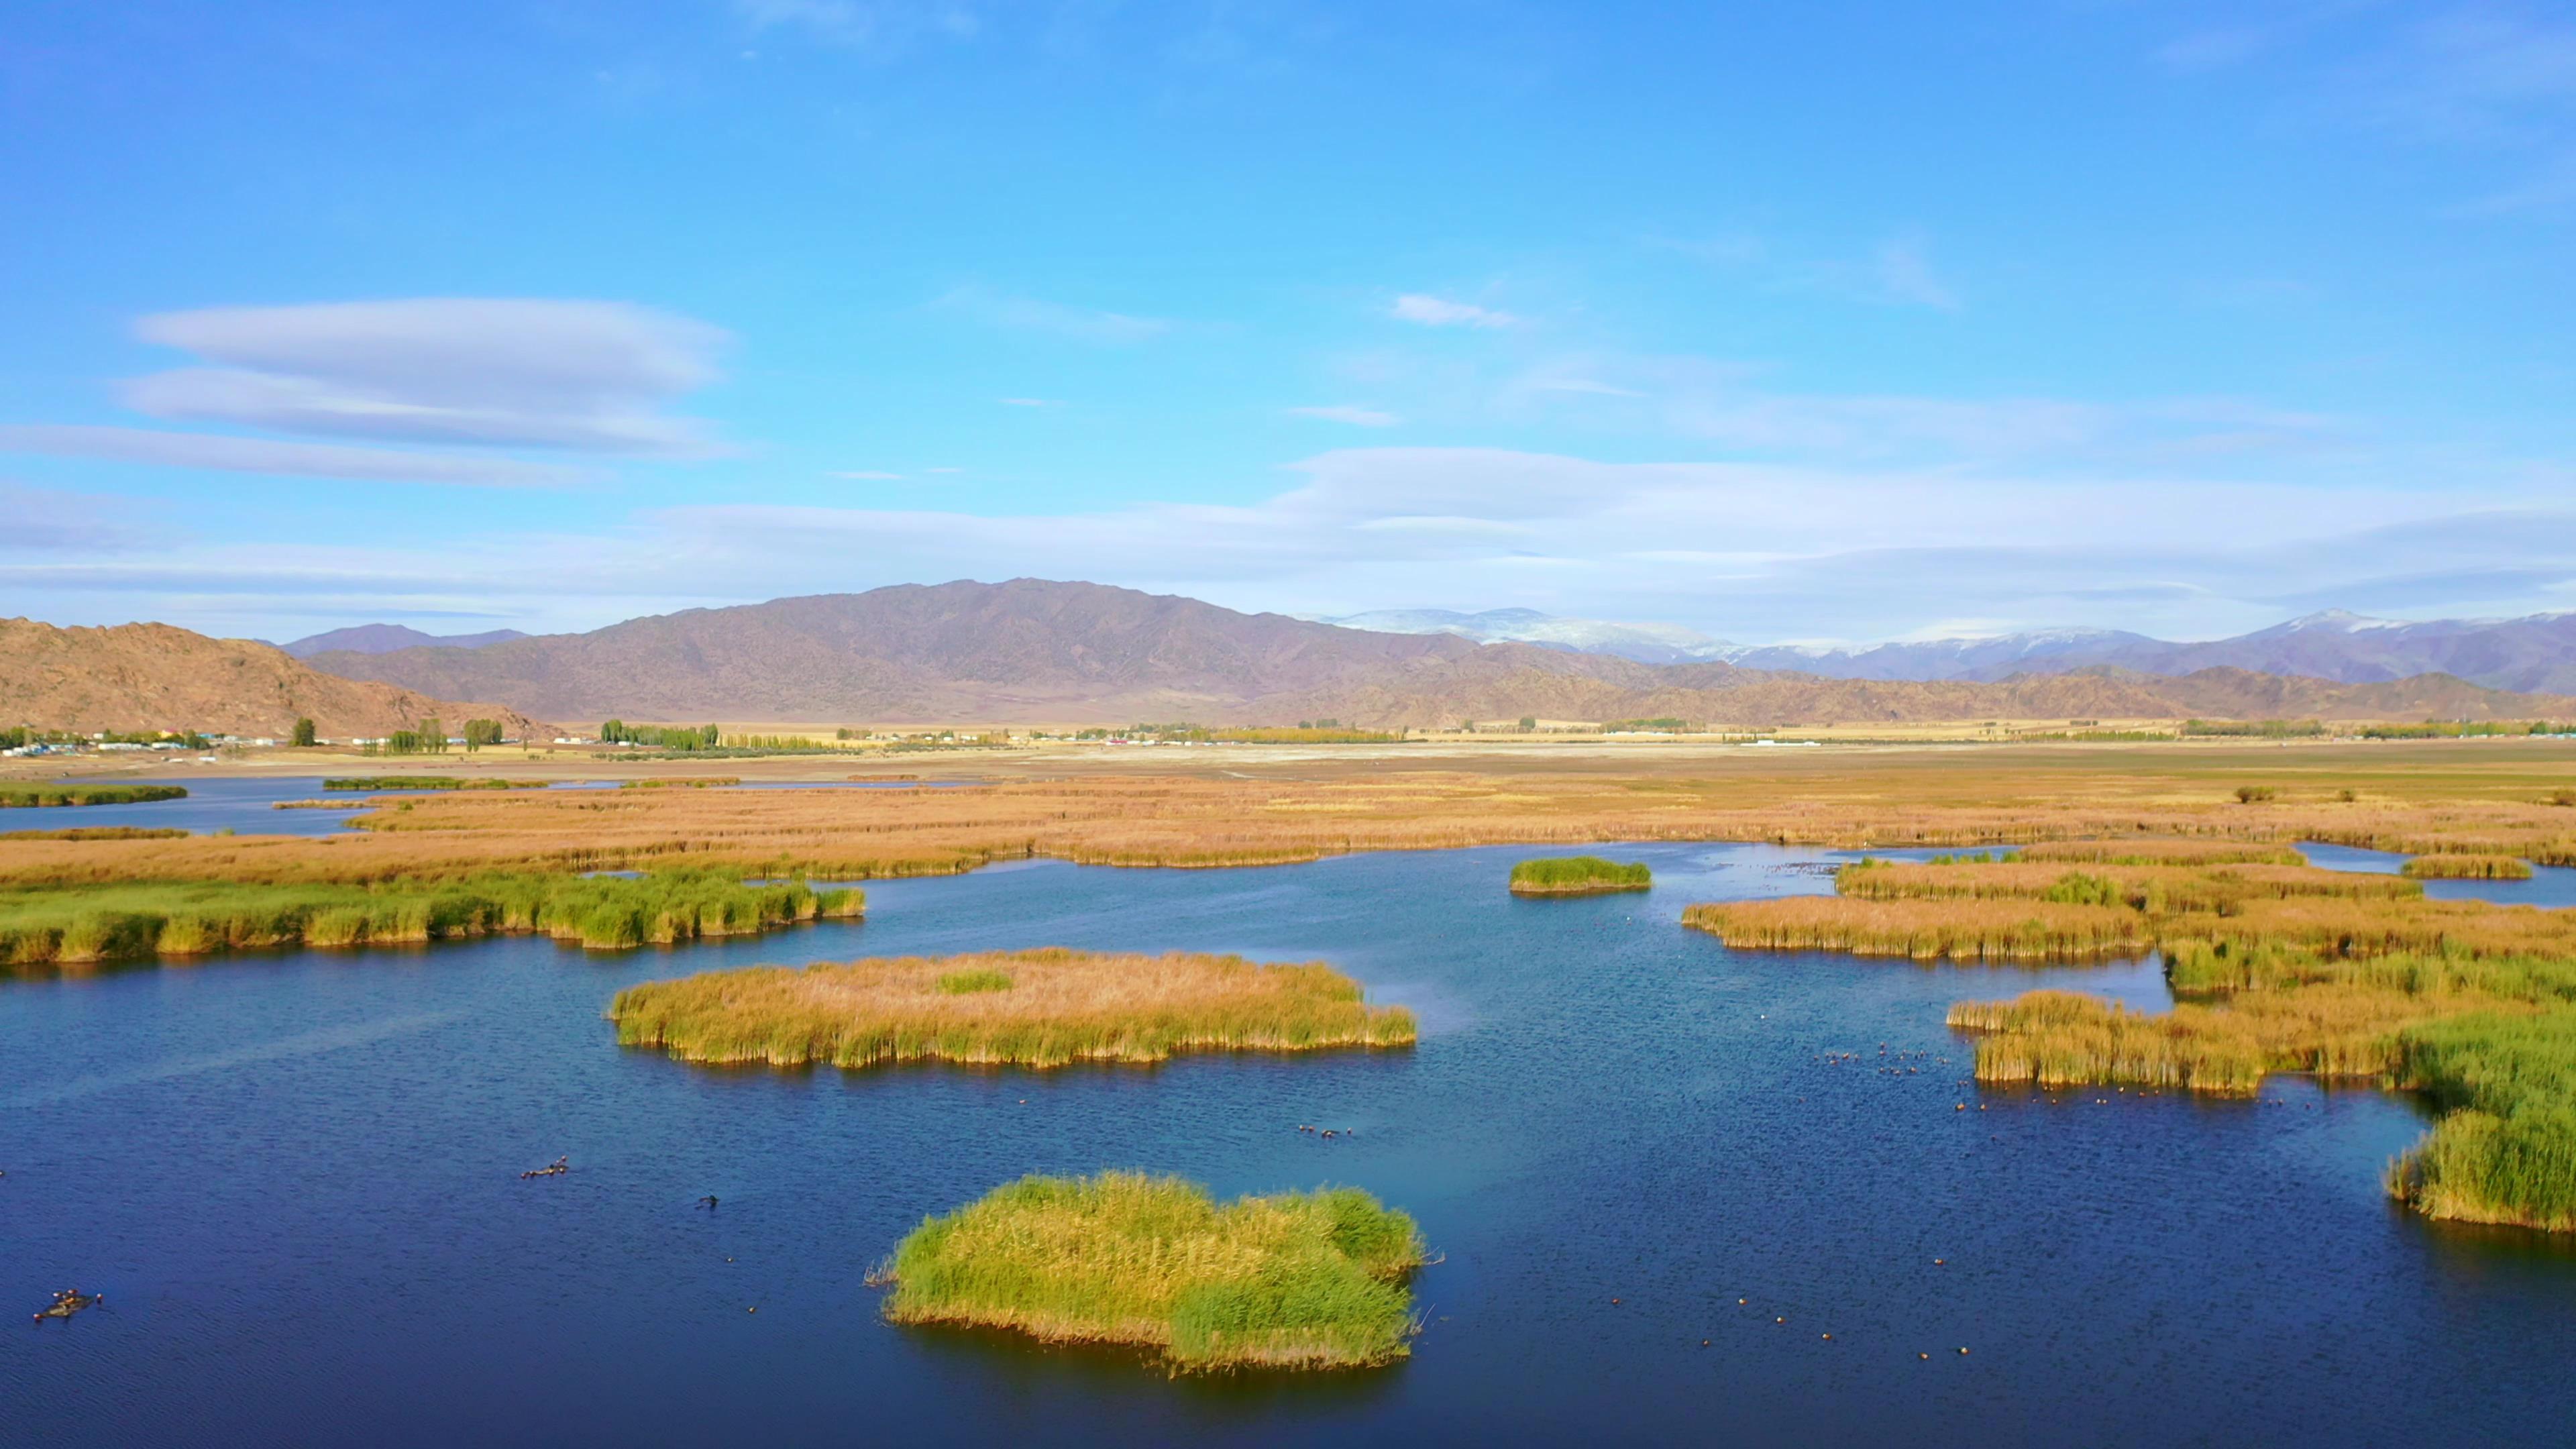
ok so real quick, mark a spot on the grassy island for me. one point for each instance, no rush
(2275, 969)
(1578, 875)
(1043, 1008)
(1301, 1280)
(429, 782)
(2466, 867)
(52, 928)
(15, 795)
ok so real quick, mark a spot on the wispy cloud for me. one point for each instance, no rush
(225, 453)
(579, 376)
(43, 520)
(1355, 416)
(864, 476)
(1905, 274)
(862, 23)
(1032, 314)
(1432, 311)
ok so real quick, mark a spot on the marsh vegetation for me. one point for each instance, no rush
(53, 928)
(1298, 1280)
(1578, 875)
(1042, 1008)
(2276, 969)
(41, 795)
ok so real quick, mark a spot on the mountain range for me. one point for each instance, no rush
(1037, 651)
(2532, 654)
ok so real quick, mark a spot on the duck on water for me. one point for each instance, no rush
(68, 1302)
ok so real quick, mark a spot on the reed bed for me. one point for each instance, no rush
(2162, 852)
(431, 782)
(2507, 1151)
(2154, 889)
(1050, 1008)
(1293, 1280)
(100, 832)
(54, 929)
(1578, 875)
(13, 796)
(2466, 867)
(1964, 930)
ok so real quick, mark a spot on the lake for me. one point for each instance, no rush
(295, 1177)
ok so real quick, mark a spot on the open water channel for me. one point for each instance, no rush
(295, 1177)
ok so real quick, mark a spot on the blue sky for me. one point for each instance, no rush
(1813, 322)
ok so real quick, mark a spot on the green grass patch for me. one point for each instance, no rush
(1578, 875)
(37, 795)
(52, 928)
(1053, 1008)
(1300, 1280)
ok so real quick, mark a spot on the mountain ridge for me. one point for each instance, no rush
(1034, 651)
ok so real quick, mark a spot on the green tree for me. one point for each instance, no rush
(303, 737)
(481, 732)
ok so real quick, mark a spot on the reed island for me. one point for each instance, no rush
(1292, 1280)
(1041, 1008)
(39, 795)
(1578, 875)
(2275, 968)
(50, 928)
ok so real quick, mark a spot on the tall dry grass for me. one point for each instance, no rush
(1042, 1008)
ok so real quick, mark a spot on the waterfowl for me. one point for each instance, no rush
(559, 1165)
(709, 1200)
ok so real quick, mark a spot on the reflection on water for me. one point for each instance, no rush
(295, 1175)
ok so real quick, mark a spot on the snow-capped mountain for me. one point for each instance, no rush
(1645, 643)
(2534, 654)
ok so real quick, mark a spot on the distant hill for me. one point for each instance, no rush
(1034, 651)
(154, 676)
(2535, 654)
(386, 638)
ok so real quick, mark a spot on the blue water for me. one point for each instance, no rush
(2550, 885)
(295, 1177)
(247, 805)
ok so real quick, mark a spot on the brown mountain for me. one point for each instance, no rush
(155, 677)
(1033, 651)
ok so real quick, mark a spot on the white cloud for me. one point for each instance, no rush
(1742, 551)
(289, 459)
(1440, 312)
(1356, 417)
(581, 376)
(1905, 275)
(1031, 314)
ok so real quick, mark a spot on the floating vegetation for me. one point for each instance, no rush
(34, 795)
(1294, 1280)
(431, 782)
(1578, 875)
(1967, 929)
(1051, 1008)
(58, 927)
(2466, 867)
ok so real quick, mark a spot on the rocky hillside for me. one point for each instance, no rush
(153, 676)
